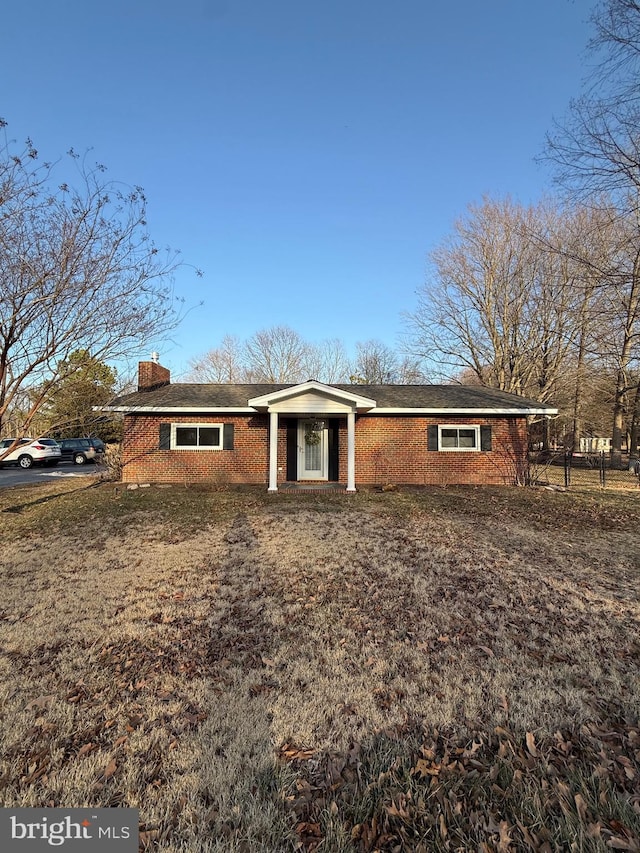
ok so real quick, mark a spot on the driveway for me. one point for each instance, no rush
(14, 476)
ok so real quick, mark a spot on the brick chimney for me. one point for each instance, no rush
(152, 375)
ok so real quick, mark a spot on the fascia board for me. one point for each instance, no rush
(460, 411)
(212, 410)
(252, 410)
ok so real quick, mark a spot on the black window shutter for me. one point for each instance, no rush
(485, 438)
(165, 437)
(432, 437)
(227, 438)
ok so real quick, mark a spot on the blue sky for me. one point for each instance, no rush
(307, 156)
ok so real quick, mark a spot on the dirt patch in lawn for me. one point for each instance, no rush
(442, 668)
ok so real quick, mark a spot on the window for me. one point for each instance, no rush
(196, 436)
(459, 438)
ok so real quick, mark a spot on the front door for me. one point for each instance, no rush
(313, 449)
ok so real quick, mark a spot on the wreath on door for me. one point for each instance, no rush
(313, 433)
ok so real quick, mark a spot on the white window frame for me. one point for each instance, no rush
(474, 427)
(175, 446)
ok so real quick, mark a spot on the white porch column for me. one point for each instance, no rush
(351, 452)
(273, 452)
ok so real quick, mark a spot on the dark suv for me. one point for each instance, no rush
(81, 450)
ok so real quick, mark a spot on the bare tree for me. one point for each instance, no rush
(77, 271)
(280, 354)
(621, 299)
(225, 363)
(596, 149)
(634, 424)
(410, 371)
(277, 354)
(515, 301)
(376, 363)
(495, 303)
(601, 248)
(328, 361)
(574, 242)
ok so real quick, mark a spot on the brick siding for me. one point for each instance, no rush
(395, 450)
(143, 461)
(152, 375)
(388, 450)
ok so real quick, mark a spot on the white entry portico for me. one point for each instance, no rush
(312, 403)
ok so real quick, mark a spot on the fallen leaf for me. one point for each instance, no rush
(425, 768)
(305, 828)
(442, 827)
(40, 703)
(165, 696)
(109, 770)
(581, 806)
(147, 838)
(294, 753)
(194, 719)
(618, 843)
(531, 744)
(594, 830)
(504, 844)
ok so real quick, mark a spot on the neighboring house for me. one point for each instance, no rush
(311, 432)
(594, 444)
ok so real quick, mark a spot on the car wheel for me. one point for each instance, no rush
(25, 461)
(79, 459)
(51, 463)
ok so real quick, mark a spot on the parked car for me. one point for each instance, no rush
(41, 451)
(81, 450)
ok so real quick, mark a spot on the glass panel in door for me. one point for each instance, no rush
(312, 450)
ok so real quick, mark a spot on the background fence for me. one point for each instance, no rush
(567, 469)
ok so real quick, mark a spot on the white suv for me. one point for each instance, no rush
(42, 451)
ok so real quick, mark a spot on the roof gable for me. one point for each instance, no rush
(314, 397)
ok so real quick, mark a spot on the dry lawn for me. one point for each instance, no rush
(445, 669)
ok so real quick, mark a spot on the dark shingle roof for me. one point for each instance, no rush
(229, 396)
(441, 396)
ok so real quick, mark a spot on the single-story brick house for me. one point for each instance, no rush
(312, 432)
